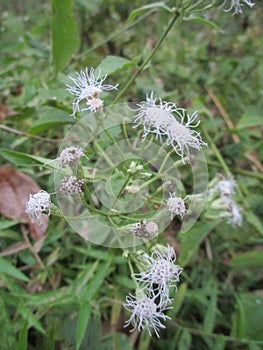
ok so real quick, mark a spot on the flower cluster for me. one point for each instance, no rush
(221, 195)
(176, 206)
(70, 155)
(145, 313)
(38, 204)
(70, 185)
(159, 274)
(87, 87)
(145, 229)
(237, 5)
(166, 119)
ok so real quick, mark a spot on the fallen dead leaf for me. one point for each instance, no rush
(6, 112)
(15, 188)
(14, 248)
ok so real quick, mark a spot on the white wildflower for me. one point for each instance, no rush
(70, 155)
(155, 118)
(145, 313)
(181, 136)
(160, 120)
(222, 186)
(38, 203)
(160, 272)
(227, 187)
(88, 87)
(236, 5)
(145, 229)
(70, 185)
(176, 206)
(151, 228)
(233, 214)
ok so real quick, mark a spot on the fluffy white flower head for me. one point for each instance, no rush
(160, 272)
(181, 135)
(233, 214)
(227, 187)
(70, 155)
(145, 313)
(160, 119)
(88, 87)
(236, 5)
(38, 203)
(145, 229)
(70, 185)
(154, 117)
(176, 206)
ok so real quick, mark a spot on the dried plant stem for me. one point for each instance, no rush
(22, 133)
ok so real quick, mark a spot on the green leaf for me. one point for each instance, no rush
(116, 341)
(254, 220)
(102, 272)
(50, 118)
(178, 301)
(154, 5)
(185, 341)
(4, 224)
(219, 343)
(82, 322)
(30, 317)
(125, 281)
(9, 269)
(252, 117)
(64, 31)
(115, 183)
(250, 259)
(21, 159)
(248, 319)
(112, 64)
(8, 340)
(204, 21)
(191, 239)
(22, 340)
(209, 321)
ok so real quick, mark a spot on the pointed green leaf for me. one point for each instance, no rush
(50, 118)
(191, 239)
(209, 321)
(65, 37)
(111, 64)
(204, 21)
(82, 322)
(154, 5)
(22, 340)
(9, 269)
(30, 317)
(21, 159)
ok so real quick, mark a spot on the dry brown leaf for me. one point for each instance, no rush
(15, 188)
(14, 248)
(6, 112)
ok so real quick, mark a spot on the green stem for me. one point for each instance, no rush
(216, 152)
(148, 59)
(104, 154)
(132, 273)
(222, 162)
(121, 191)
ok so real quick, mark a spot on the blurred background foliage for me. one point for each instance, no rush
(61, 292)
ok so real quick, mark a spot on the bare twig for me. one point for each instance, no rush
(22, 133)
